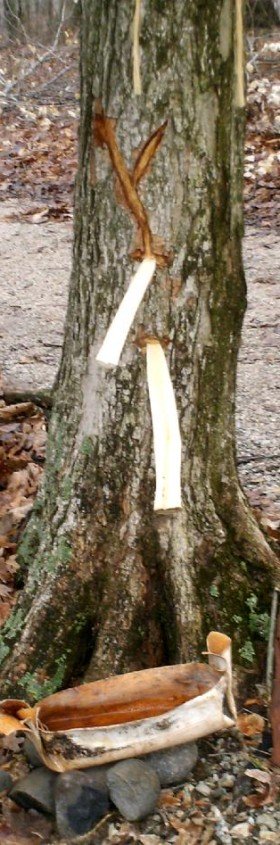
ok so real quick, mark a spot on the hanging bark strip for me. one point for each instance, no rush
(275, 700)
(137, 85)
(167, 439)
(114, 341)
(239, 97)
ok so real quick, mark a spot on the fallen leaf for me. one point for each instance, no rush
(259, 775)
(250, 724)
(257, 799)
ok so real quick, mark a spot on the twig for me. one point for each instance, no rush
(61, 22)
(86, 838)
(270, 647)
(54, 78)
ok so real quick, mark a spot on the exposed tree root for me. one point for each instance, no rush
(132, 610)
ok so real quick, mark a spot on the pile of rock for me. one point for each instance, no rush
(77, 800)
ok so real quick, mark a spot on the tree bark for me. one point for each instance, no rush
(111, 585)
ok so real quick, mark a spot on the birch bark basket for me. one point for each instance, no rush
(101, 722)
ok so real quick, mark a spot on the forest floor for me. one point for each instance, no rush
(38, 127)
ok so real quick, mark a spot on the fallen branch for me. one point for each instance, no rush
(53, 79)
(11, 412)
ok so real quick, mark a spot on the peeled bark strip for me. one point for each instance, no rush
(239, 56)
(219, 649)
(114, 341)
(167, 440)
(137, 86)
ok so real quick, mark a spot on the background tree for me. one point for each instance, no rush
(109, 584)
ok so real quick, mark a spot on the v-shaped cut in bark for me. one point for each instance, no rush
(104, 134)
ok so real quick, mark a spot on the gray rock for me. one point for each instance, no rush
(203, 789)
(35, 791)
(242, 786)
(173, 765)
(81, 799)
(134, 788)
(95, 776)
(6, 781)
(218, 792)
(31, 754)
(241, 831)
(227, 781)
(267, 820)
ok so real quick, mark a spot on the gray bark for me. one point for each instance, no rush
(111, 583)
(276, 4)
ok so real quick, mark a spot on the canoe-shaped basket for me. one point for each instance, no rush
(130, 715)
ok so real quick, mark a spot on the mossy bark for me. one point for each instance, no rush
(110, 584)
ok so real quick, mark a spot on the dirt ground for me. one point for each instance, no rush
(35, 269)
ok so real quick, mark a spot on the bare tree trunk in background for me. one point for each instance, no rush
(111, 585)
(12, 17)
(276, 4)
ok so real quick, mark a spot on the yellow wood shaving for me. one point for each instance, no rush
(239, 98)
(137, 85)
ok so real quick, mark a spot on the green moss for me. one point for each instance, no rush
(4, 650)
(87, 446)
(14, 624)
(11, 631)
(232, 607)
(66, 489)
(63, 552)
(29, 543)
(36, 689)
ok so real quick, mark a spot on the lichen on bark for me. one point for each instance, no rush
(112, 585)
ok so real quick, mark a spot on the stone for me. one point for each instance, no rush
(31, 754)
(173, 765)
(35, 791)
(216, 813)
(227, 781)
(268, 836)
(81, 799)
(242, 786)
(134, 788)
(267, 820)
(6, 781)
(203, 789)
(218, 792)
(241, 831)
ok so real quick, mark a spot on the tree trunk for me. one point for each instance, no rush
(111, 585)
